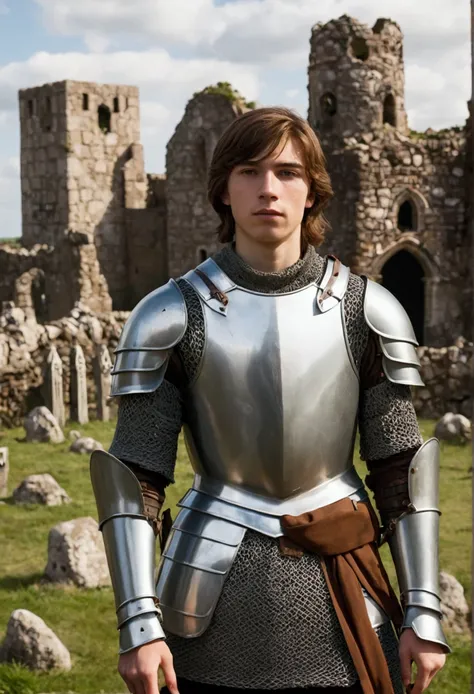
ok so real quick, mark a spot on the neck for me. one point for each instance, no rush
(267, 257)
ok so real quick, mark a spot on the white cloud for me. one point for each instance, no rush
(274, 34)
(291, 93)
(10, 196)
(170, 81)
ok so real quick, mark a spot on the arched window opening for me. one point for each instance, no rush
(46, 114)
(403, 275)
(104, 118)
(116, 104)
(38, 296)
(329, 104)
(360, 48)
(85, 102)
(407, 216)
(389, 110)
(31, 108)
(202, 255)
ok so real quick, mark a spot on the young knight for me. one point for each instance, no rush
(269, 355)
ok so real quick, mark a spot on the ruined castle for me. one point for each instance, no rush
(100, 230)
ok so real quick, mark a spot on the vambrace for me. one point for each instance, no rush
(414, 546)
(129, 541)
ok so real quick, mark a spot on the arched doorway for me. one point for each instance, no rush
(403, 275)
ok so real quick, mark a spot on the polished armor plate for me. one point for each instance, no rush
(273, 408)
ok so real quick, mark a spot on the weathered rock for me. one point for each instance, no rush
(40, 489)
(453, 427)
(32, 643)
(453, 604)
(42, 427)
(76, 554)
(85, 444)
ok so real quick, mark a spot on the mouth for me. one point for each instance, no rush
(268, 213)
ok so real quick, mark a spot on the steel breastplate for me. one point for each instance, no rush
(273, 408)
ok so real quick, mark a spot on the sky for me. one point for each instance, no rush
(172, 48)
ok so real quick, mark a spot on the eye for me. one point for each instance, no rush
(288, 174)
(248, 171)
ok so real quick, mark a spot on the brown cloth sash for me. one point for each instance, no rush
(345, 535)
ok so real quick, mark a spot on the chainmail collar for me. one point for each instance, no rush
(307, 269)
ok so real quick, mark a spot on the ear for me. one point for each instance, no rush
(310, 200)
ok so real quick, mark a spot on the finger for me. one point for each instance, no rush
(169, 674)
(405, 667)
(422, 681)
(150, 684)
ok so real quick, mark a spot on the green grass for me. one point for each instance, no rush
(84, 619)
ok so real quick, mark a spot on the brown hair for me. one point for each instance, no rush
(254, 136)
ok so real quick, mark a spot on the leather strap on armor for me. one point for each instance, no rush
(129, 541)
(414, 546)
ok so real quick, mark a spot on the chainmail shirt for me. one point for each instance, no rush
(274, 625)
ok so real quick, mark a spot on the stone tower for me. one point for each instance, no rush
(356, 77)
(76, 137)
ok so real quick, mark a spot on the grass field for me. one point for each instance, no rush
(84, 619)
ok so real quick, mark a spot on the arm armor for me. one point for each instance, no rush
(414, 546)
(156, 324)
(129, 543)
(385, 315)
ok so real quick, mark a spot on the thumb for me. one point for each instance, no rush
(169, 674)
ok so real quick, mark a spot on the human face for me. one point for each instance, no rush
(268, 197)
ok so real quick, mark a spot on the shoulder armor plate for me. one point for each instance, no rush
(156, 324)
(385, 315)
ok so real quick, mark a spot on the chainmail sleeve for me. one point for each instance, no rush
(387, 421)
(148, 424)
(388, 427)
(147, 429)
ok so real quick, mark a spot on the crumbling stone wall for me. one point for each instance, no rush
(191, 222)
(356, 77)
(447, 374)
(71, 168)
(62, 275)
(43, 163)
(24, 346)
(145, 215)
(427, 174)
(400, 208)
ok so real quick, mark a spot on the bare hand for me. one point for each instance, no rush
(429, 658)
(139, 668)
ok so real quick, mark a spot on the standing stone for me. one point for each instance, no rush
(76, 554)
(103, 378)
(40, 489)
(54, 386)
(453, 604)
(453, 427)
(32, 643)
(4, 468)
(79, 411)
(41, 426)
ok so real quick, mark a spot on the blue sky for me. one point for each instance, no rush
(171, 48)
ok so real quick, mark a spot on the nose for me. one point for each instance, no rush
(268, 189)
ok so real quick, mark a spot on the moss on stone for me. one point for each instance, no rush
(226, 89)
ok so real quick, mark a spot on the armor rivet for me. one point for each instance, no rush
(221, 308)
(329, 292)
(413, 470)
